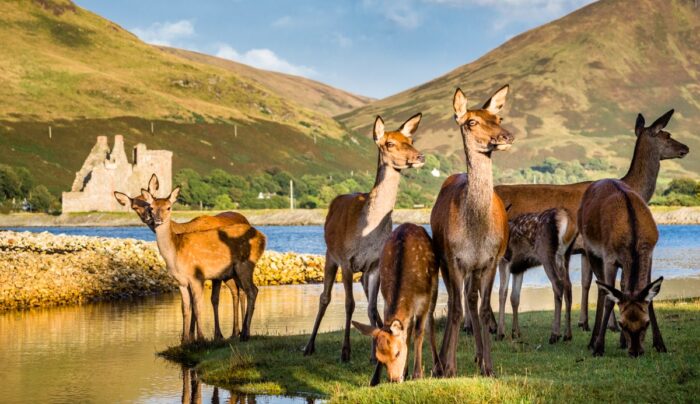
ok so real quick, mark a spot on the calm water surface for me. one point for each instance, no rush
(105, 352)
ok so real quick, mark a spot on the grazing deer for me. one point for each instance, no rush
(191, 258)
(470, 229)
(139, 205)
(653, 144)
(540, 239)
(619, 231)
(357, 225)
(409, 283)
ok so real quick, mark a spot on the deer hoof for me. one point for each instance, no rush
(486, 372)
(614, 327)
(515, 334)
(469, 330)
(500, 337)
(584, 325)
(598, 350)
(554, 338)
(245, 337)
(661, 348)
(567, 337)
(309, 350)
(345, 354)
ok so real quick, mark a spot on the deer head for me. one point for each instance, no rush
(483, 125)
(160, 208)
(138, 204)
(392, 349)
(634, 313)
(396, 147)
(659, 139)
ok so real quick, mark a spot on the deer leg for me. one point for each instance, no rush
(473, 296)
(245, 275)
(196, 287)
(329, 273)
(376, 376)
(372, 291)
(187, 319)
(235, 301)
(557, 288)
(504, 272)
(448, 350)
(610, 273)
(586, 279)
(467, 319)
(409, 335)
(349, 309)
(431, 324)
(486, 315)
(567, 298)
(418, 346)
(515, 302)
(658, 341)
(215, 291)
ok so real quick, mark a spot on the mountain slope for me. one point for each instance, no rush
(65, 67)
(309, 93)
(577, 85)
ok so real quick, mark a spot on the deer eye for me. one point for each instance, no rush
(397, 354)
(472, 122)
(390, 144)
(168, 208)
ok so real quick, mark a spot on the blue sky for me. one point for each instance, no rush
(370, 47)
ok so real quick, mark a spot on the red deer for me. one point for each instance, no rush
(470, 229)
(619, 231)
(357, 225)
(409, 283)
(540, 239)
(191, 258)
(653, 144)
(139, 205)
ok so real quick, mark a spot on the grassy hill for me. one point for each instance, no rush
(577, 85)
(65, 67)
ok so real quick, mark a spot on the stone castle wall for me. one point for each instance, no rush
(105, 171)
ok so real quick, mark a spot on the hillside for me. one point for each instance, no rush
(308, 93)
(577, 85)
(65, 67)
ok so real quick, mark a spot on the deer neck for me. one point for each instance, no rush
(476, 205)
(382, 197)
(165, 240)
(644, 169)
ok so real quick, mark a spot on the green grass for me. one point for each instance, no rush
(529, 370)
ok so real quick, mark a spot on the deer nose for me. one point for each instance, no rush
(421, 158)
(684, 151)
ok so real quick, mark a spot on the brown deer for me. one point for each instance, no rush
(619, 231)
(357, 225)
(409, 283)
(139, 205)
(653, 144)
(539, 239)
(191, 258)
(470, 228)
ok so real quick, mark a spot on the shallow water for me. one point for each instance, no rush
(106, 352)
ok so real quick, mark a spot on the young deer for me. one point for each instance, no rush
(540, 239)
(618, 230)
(470, 229)
(409, 283)
(139, 205)
(191, 258)
(357, 225)
(653, 144)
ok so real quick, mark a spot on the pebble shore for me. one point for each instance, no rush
(41, 269)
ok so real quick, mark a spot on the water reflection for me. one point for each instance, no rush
(196, 392)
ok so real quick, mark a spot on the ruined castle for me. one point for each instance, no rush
(105, 171)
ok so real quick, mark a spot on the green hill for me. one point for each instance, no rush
(65, 67)
(577, 85)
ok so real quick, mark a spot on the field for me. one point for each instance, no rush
(528, 370)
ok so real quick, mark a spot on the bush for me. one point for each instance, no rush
(41, 200)
(223, 202)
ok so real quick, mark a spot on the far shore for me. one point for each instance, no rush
(275, 217)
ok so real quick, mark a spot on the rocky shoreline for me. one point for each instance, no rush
(42, 269)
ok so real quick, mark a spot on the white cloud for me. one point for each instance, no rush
(165, 33)
(342, 40)
(264, 59)
(401, 12)
(283, 22)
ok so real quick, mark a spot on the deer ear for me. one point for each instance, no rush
(639, 125)
(650, 291)
(396, 328)
(661, 122)
(366, 329)
(147, 196)
(459, 103)
(612, 293)
(378, 129)
(411, 125)
(123, 199)
(174, 194)
(495, 104)
(153, 184)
